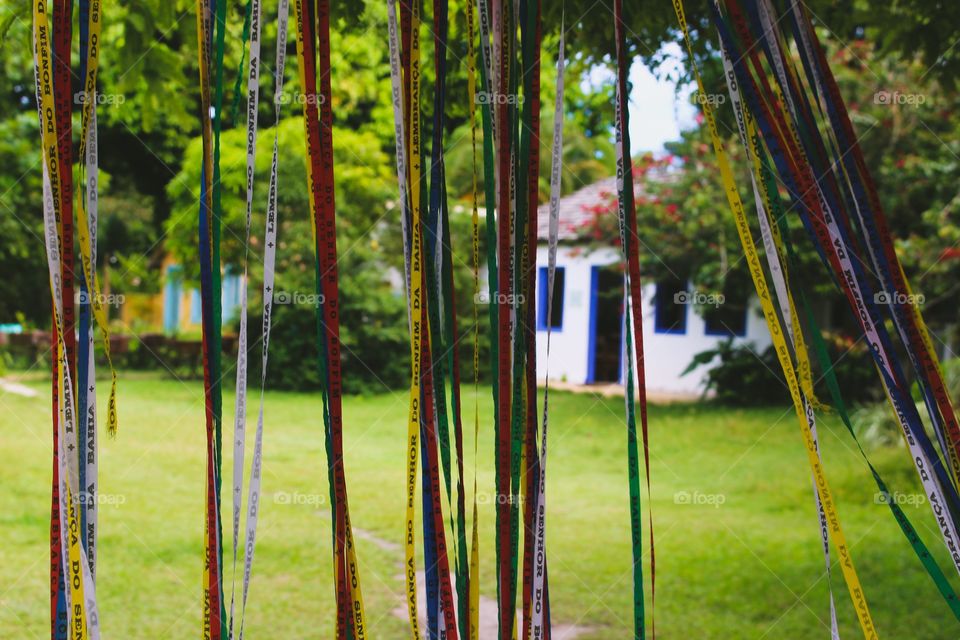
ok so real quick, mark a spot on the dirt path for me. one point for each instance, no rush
(613, 390)
(9, 386)
(488, 606)
(488, 615)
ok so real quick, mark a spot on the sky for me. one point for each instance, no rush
(657, 111)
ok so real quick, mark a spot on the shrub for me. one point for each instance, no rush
(373, 333)
(740, 376)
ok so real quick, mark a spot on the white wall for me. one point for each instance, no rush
(666, 355)
(570, 344)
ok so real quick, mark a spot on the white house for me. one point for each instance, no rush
(587, 336)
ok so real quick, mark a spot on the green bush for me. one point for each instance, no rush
(373, 333)
(740, 376)
(876, 424)
(853, 367)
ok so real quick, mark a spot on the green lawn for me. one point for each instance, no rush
(750, 567)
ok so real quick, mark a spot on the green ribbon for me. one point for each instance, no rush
(833, 386)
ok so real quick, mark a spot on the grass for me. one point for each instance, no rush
(741, 558)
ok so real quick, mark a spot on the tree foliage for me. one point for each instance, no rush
(906, 29)
(148, 134)
(908, 126)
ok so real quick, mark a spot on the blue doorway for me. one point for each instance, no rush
(605, 340)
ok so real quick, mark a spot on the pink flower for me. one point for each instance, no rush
(951, 253)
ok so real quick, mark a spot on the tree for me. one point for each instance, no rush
(907, 125)
(24, 288)
(149, 67)
(905, 30)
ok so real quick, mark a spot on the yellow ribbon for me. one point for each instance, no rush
(48, 130)
(417, 326)
(474, 576)
(801, 407)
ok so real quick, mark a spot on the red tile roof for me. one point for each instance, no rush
(576, 209)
